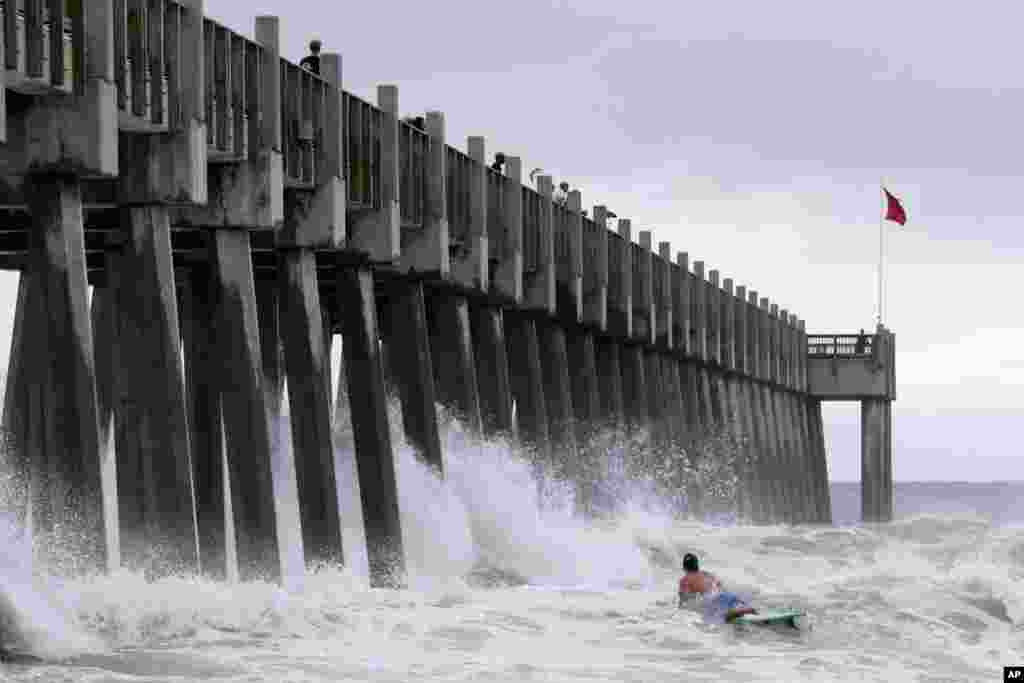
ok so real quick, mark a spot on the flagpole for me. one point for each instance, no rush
(881, 260)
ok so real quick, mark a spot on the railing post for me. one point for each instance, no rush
(540, 286)
(595, 304)
(377, 232)
(316, 218)
(740, 338)
(714, 327)
(626, 273)
(700, 311)
(472, 271)
(509, 275)
(426, 251)
(685, 298)
(575, 205)
(647, 284)
(665, 305)
(729, 325)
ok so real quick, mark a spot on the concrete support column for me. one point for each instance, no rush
(821, 457)
(14, 457)
(310, 403)
(586, 401)
(634, 386)
(776, 463)
(558, 390)
(527, 381)
(655, 398)
(407, 341)
(493, 380)
(760, 508)
(811, 469)
(154, 478)
(203, 382)
(586, 404)
(876, 476)
(609, 368)
(268, 311)
(244, 408)
(595, 288)
(367, 401)
(451, 346)
(693, 418)
(61, 423)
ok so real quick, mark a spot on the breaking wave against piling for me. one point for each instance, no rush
(508, 582)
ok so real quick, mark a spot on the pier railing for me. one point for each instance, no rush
(459, 168)
(233, 94)
(840, 345)
(497, 231)
(531, 229)
(413, 147)
(303, 111)
(38, 58)
(561, 225)
(593, 252)
(160, 46)
(148, 40)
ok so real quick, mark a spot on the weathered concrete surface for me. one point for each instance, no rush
(407, 340)
(310, 408)
(634, 386)
(527, 380)
(451, 347)
(13, 457)
(203, 368)
(492, 363)
(610, 382)
(586, 403)
(367, 400)
(62, 428)
(244, 409)
(876, 474)
(154, 478)
(558, 390)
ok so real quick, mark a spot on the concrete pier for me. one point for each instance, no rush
(154, 487)
(243, 408)
(62, 428)
(451, 346)
(306, 364)
(407, 340)
(492, 362)
(371, 432)
(233, 211)
(203, 386)
(527, 382)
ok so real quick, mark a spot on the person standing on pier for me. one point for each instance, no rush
(311, 62)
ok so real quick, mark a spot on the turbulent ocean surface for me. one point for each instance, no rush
(500, 591)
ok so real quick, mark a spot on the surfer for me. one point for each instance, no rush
(700, 583)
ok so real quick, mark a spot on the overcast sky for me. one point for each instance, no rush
(754, 136)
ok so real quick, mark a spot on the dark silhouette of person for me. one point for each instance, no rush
(499, 162)
(311, 62)
(862, 342)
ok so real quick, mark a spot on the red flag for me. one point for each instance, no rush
(895, 211)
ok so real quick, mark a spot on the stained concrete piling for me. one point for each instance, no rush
(239, 239)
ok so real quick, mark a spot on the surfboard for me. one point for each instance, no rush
(771, 616)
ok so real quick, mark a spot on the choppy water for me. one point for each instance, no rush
(500, 592)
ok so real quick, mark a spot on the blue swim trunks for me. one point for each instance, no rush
(719, 604)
